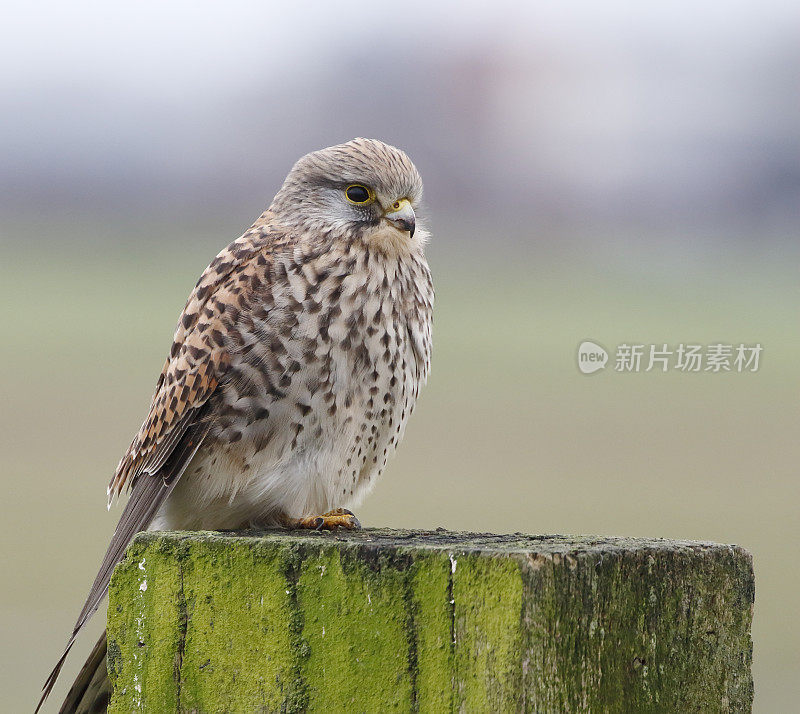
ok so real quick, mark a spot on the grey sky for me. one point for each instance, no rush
(588, 109)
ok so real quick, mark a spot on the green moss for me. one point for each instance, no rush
(428, 622)
(355, 626)
(238, 653)
(144, 630)
(643, 631)
(488, 633)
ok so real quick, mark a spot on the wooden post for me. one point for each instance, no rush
(385, 620)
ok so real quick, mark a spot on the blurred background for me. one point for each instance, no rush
(615, 171)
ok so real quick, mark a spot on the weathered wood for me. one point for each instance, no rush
(383, 620)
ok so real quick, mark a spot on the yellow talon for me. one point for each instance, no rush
(338, 518)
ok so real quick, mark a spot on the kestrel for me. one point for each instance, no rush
(295, 366)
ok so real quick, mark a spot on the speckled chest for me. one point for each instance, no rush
(329, 355)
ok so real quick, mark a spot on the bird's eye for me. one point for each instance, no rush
(358, 194)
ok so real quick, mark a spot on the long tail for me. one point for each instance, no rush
(147, 494)
(91, 691)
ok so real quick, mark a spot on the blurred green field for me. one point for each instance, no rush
(509, 436)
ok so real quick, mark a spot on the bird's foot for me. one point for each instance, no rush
(330, 521)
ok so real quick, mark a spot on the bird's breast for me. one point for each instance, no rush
(323, 380)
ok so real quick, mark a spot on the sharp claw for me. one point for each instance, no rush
(333, 520)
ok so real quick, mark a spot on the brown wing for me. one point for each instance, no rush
(178, 420)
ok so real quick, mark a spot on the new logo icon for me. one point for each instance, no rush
(591, 357)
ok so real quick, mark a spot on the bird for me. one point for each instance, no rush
(293, 371)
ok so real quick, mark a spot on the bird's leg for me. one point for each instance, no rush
(337, 518)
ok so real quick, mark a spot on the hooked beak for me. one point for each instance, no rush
(401, 215)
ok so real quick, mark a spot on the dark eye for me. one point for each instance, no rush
(358, 194)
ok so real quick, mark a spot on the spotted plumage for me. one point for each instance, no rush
(296, 362)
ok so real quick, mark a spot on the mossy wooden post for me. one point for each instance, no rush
(408, 621)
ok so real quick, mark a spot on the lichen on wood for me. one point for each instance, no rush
(384, 620)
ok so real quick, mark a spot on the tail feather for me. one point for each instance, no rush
(91, 691)
(51, 679)
(147, 495)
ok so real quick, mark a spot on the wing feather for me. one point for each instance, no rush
(193, 369)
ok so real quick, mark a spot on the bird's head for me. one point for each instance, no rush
(362, 190)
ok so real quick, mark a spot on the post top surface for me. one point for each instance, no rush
(445, 540)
